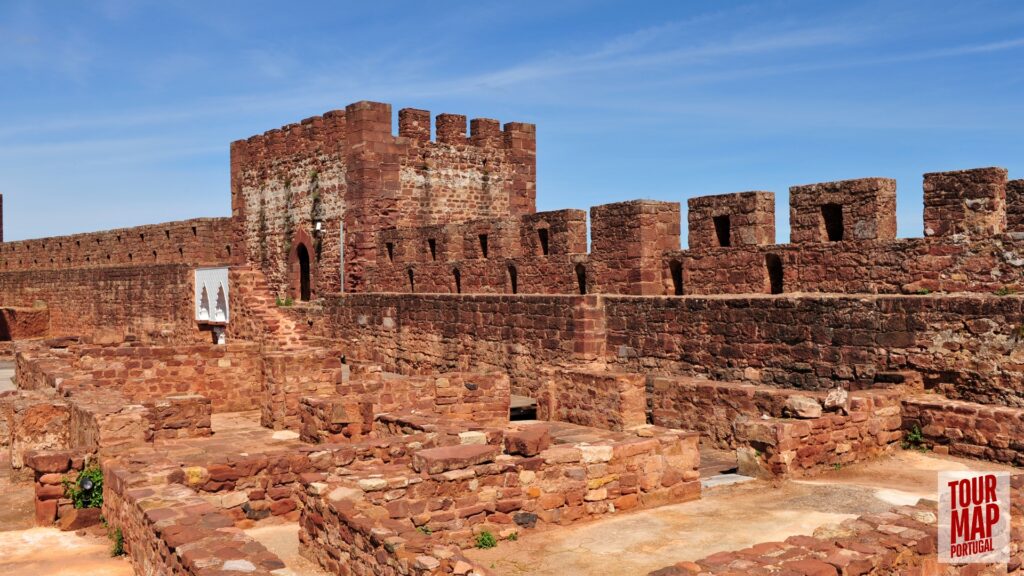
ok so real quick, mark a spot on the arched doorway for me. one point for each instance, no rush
(301, 263)
(302, 253)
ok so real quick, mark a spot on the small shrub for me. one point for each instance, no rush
(486, 540)
(914, 439)
(424, 530)
(513, 536)
(85, 491)
(837, 466)
(117, 549)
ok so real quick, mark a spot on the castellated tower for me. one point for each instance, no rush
(308, 199)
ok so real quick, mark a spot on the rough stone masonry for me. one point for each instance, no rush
(391, 294)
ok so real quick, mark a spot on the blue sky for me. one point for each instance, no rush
(118, 113)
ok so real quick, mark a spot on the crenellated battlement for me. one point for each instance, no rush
(329, 132)
(317, 134)
(201, 241)
(414, 124)
(843, 240)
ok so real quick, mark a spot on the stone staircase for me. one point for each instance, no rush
(259, 317)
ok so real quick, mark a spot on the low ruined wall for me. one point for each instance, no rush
(453, 492)
(712, 408)
(229, 376)
(104, 422)
(287, 377)
(153, 302)
(966, 429)
(99, 422)
(185, 416)
(792, 448)
(49, 468)
(480, 398)
(903, 541)
(355, 410)
(170, 531)
(32, 421)
(599, 399)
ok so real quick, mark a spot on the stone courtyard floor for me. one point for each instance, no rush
(725, 518)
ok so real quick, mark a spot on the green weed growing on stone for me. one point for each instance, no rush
(486, 540)
(1004, 291)
(424, 530)
(85, 491)
(117, 549)
(914, 439)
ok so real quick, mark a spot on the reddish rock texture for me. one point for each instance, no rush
(966, 429)
(153, 302)
(23, 323)
(863, 209)
(739, 219)
(49, 469)
(968, 202)
(229, 376)
(1015, 206)
(775, 447)
(609, 401)
(203, 241)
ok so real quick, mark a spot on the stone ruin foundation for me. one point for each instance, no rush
(344, 352)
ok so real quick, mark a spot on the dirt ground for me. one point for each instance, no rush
(17, 509)
(50, 552)
(725, 518)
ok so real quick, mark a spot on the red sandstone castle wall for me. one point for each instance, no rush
(966, 346)
(906, 265)
(539, 251)
(152, 302)
(202, 241)
(348, 169)
(428, 333)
